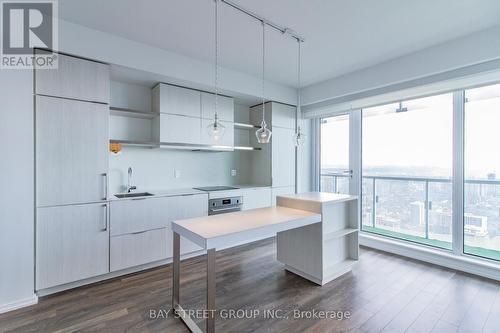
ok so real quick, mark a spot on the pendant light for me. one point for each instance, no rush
(216, 129)
(299, 138)
(263, 134)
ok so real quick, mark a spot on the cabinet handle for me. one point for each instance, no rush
(105, 180)
(139, 232)
(105, 218)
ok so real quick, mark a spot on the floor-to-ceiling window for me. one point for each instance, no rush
(407, 152)
(335, 172)
(482, 172)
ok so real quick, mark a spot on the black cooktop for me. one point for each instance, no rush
(215, 188)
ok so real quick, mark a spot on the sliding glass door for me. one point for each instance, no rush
(335, 169)
(407, 168)
(482, 172)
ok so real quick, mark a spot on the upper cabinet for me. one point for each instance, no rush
(277, 115)
(183, 115)
(74, 78)
(176, 100)
(71, 151)
(280, 153)
(225, 107)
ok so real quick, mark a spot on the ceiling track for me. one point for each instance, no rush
(265, 21)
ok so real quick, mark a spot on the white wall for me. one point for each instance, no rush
(470, 50)
(17, 193)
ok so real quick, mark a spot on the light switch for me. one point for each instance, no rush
(233, 173)
(177, 173)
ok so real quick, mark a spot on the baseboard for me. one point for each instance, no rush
(464, 263)
(19, 304)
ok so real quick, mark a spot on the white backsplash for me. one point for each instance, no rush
(153, 169)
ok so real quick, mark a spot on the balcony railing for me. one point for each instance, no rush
(338, 182)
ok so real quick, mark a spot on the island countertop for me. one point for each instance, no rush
(220, 230)
(320, 197)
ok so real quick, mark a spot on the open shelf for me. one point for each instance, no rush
(339, 233)
(131, 143)
(245, 126)
(168, 145)
(123, 112)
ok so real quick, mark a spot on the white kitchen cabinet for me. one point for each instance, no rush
(275, 164)
(277, 115)
(71, 151)
(256, 197)
(136, 223)
(226, 140)
(225, 107)
(141, 214)
(184, 115)
(74, 78)
(176, 100)
(185, 207)
(139, 248)
(276, 191)
(170, 128)
(283, 157)
(283, 115)
(72, 243)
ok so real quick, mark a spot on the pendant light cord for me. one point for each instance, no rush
(216, 57)
(263, 72)
(299, 70)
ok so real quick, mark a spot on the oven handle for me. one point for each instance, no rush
(224, 209)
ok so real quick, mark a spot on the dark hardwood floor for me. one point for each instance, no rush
(384, 293)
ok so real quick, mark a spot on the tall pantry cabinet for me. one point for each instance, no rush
(71, 140)
(280, 152)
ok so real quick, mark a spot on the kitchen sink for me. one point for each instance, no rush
(133, 195)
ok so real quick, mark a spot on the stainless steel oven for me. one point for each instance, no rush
(224, 205)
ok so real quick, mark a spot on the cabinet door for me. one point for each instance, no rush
(75, 78)
(283, 116)
(139, 248)
(256, 198)
(225, 107)
(141, 214)
(283, 157)
(179, 129)
(179, 101)
(72, 243)
(71, 151)
(226, 140)
(185, 207)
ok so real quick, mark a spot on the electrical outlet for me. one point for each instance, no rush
(177, 173)
(233, 173)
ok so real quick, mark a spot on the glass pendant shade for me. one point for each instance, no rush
(263, 134)
(216, 130)
(299, 138)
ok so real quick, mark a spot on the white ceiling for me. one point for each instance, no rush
(341, 36)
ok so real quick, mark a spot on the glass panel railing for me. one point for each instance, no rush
(482, 218)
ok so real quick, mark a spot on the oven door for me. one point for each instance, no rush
(223, 210)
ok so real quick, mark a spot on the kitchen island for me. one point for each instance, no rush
(304, 223)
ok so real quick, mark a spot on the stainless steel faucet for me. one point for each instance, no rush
(130, 188)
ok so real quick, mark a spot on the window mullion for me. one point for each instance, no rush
(458, 172)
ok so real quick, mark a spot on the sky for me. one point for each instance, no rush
(422, 136)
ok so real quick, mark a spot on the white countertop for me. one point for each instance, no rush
(160, 193)
(220, 230)
(320, 197)
(184, 191)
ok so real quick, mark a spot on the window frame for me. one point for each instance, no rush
(458, 173)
